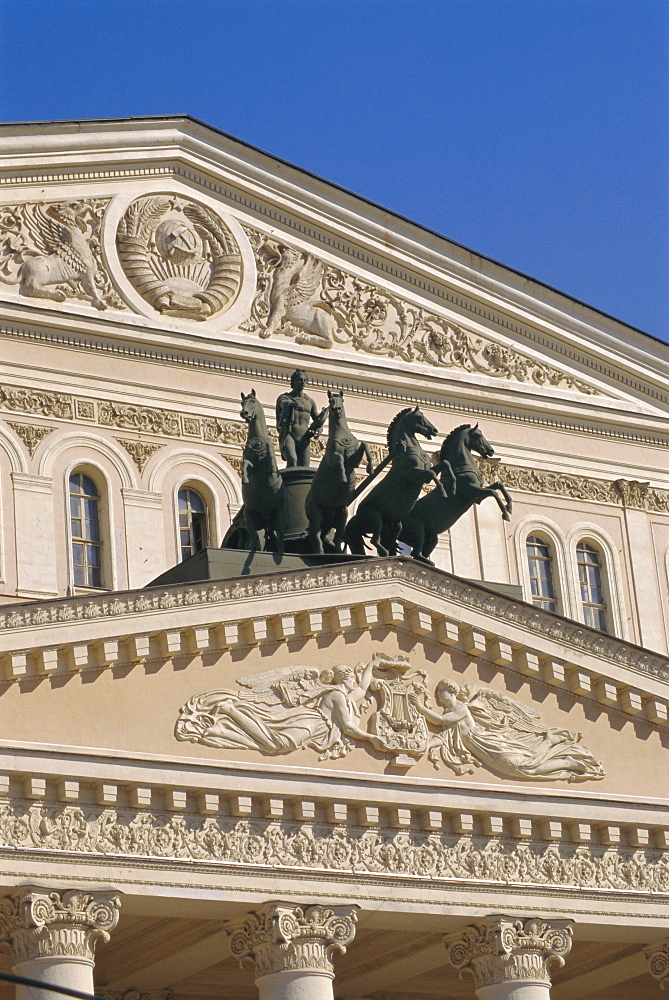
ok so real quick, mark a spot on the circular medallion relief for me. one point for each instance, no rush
(180, 256)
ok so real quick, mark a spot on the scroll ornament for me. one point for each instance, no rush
(288, 708)
(52, 250)
(302, 297)
(180, 256)
(41, 923)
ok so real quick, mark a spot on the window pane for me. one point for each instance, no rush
(591, 585)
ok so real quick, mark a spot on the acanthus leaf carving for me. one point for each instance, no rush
(502, 949)
(281, 937)
(140, 418)
(302, 297)
(658, 961)
(140, 451)
(47, 923)
(53, 250)
(32, 435)
(46, 404)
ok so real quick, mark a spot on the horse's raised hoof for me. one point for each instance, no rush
(506, 516)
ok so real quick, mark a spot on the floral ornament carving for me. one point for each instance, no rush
(658, 961)
(140, 451)
(45, 923)
(315, 303)
(46, 404)
(180, 256)
(282, 938)
(292, 708)
(139, 418)
(503, 949)
(32, 435)
(53, 250)
(229, 843)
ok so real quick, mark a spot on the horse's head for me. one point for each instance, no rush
(476, 442)
(250, 406)
(336, 402)
(418, 423)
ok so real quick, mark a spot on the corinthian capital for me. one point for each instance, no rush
(506, 949)
(281, 937)
(658, 961)
(48, 923)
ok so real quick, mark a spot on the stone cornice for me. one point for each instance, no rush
(37, 639)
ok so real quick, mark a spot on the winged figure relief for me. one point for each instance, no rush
(478, 725)
(296, 279)
(61, 254)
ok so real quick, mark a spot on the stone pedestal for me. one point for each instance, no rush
(291, 948)
(509, 957)
(297, 482)
(52, 934)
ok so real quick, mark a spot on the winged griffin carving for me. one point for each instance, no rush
(292, 708)
(51, 251)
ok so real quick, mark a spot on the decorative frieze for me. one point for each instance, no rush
(281, 937)
(139, 418)
(342, 845)
(50, 923)
(302, 297)
(44, 404)
(503, 949)
(32, 435)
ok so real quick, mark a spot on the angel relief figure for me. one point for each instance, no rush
(483, 726)
(286, 709)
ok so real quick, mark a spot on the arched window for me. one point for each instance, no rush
(192, 522)
(85, 531)
(540, 564)
(590, 579)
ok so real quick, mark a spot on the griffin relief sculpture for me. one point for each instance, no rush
(52, 251)
(293, 708)
(180, 256)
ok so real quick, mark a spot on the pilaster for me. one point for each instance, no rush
(510, 957)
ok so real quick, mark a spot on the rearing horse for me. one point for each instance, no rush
(262, 487)
(334, 483)
(435, 513)
(383, 510)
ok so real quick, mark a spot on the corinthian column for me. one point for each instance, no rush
(292, 948)
(52, 934)
(508, 957)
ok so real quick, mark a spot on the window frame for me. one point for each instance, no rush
(99, 479)
(191, 487)
(540, 600)
(611, 574)
(549, 533)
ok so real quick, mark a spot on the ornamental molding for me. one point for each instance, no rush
(281, 937)
(47, 923)
(657, 956)
(503, 949)
(228, 843)
(32, 435)
(140, 451)
(314, 303)
(337, 243)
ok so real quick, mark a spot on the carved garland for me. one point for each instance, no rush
(317, 847)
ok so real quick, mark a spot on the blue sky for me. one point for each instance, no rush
(535, 132)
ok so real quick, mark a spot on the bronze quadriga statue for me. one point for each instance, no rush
(334, 484)
(383, 510)
(263, 490)
(436, 512)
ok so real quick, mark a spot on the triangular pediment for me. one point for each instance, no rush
(188, 233)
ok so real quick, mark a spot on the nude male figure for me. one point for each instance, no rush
(297, 421)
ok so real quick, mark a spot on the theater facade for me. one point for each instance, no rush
(306, 778)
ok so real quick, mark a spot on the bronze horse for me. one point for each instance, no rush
(334, 483)
(435, 513)
(383, 510)
(262, 487)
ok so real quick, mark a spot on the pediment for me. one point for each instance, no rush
(381, 669)
(204, 239)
